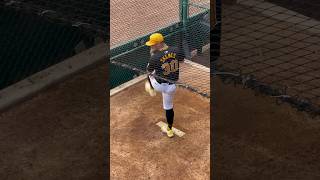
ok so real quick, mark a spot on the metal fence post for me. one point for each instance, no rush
(180, 10)
(185, 12)
(184, 16)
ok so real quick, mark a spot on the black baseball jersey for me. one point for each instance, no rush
(165, 63)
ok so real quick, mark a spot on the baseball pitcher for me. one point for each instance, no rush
(164, 73)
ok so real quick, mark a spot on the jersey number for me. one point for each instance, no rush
(170, 67)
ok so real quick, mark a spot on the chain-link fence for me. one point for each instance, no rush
(38, 34)
(184, 24)
(273, 47)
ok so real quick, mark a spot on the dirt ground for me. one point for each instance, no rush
(58, 134)
(256, 139)
(139, 150)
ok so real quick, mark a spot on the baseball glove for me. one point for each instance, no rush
(149, 88)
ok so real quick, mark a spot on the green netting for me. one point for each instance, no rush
(190, 32)
(31, 44)
(36, 34)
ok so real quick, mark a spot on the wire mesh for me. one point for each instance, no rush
(132, 19)
(192, 76)
(198, 6)
(91, 15)
(272, 48)
(131, 30)
(39, 34)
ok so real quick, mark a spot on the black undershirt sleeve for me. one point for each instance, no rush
(151, 65)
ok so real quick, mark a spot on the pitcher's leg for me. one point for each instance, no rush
(168, 107)
(170, 116)
(158, 87)
(167, 100)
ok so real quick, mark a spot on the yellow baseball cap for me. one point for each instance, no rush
(155, 39)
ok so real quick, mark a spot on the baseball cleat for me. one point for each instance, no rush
(166, 129)
(170, 132)
(149, 89)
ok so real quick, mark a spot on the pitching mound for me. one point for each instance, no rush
(138, 148)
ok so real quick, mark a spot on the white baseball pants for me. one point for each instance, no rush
(167, 91)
